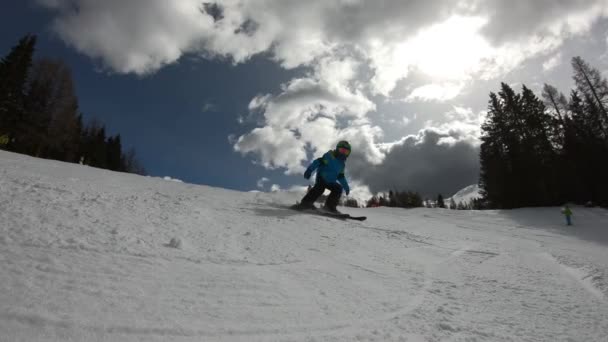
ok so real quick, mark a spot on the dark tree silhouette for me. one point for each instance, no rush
(440, 202)
(39, 114)
(14, 70)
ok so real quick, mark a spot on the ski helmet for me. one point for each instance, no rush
(343, 145)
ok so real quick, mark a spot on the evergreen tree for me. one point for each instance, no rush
(132, 164)
(416, 200)
(587, 149)
(557, 106)
(52, 127)
(382, 201)
(114, 154)
(594, 88)
(540, 186)
(440, 203)
(516, 155)
(39, 114)
(495, 166)
(14, 70)
(452, 203)
(392, 199)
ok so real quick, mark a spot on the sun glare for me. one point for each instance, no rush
(450, 50)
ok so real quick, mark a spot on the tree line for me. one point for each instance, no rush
(537, 151)
(39, 115)
(396, 199)
(550, 150)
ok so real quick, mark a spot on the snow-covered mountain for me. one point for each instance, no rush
(466, 194)
(94, 255)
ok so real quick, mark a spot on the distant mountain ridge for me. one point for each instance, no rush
(466, 194)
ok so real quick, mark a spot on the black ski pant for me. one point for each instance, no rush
(318, 190)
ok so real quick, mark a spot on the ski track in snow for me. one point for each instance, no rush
(93, 255)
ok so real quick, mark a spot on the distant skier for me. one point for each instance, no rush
(568, 214)
(330, 169)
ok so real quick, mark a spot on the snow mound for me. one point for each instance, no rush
(175, 242)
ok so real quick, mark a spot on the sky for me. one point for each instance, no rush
(245, 94)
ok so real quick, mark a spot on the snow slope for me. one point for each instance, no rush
(93, 255)
(465, 195)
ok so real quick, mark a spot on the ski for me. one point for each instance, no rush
(316, 211)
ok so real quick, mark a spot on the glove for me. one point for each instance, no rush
(346, 190)
(307, 174)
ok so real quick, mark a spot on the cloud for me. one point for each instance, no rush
(552, 62)
(353, 54)
(143, 35)
(209, 107)
(437, 92)
(275, 148)
(431, 162)
(514, 20)
(262, 181)
(312, 113)
(441, 158)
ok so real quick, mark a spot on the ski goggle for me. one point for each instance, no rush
(344, 151)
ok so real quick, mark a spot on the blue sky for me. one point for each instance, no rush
(239, 93)
(164, 115)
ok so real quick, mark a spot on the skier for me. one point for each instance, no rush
(567, 213)
(330, 168)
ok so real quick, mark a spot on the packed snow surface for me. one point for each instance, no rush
(94, 255)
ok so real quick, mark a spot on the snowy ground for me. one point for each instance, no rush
(86, 255)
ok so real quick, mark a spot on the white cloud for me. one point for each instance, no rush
(314, 112)
(445, 39)
(462, 125)
(552, 62)
(262, 181)
(209, 107)
(437, 92)
(351, 50)
(276, 148)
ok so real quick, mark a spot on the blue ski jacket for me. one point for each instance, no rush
(330, 168)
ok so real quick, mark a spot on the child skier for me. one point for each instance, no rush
(568, 213)
(330, 169)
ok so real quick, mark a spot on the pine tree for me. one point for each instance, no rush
(440, 203)
(539, 156)
(14, 70)
(516, 155)
(114, 154)
(557, 106)
(132, 164)
(594, 88)
(382, 201)
(392, 199)
(51, 128)
(495, 166)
